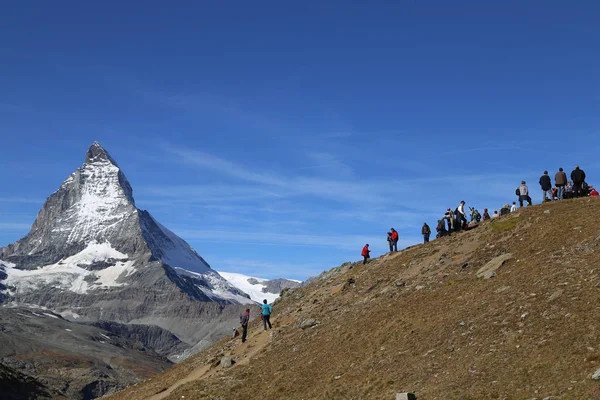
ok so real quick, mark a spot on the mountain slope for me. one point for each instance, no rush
(426, 320)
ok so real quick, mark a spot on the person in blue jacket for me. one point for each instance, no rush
(266, 314)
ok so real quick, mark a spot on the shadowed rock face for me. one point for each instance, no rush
(92, 255)
(15, 385)
(75, 360)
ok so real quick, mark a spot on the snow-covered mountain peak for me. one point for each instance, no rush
(97, 152)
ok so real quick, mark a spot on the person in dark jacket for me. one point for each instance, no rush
(486, 215)
(389, 240)
(560, 180)
(578, 177)
(546, 184)
(244, 319)
(365, 253)
(426, 232)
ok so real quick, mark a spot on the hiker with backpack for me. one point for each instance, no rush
(523, 193)
(560, 180)
(460, 215)
(546, 185)
(365, 253)
(267, 309)
(394, 240)
(426, 232)
(244, 319)
(486, 215)
(578, 178)
(475, 216)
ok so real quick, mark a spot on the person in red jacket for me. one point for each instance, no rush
(366, 253)
(593, 191)
(394, 240)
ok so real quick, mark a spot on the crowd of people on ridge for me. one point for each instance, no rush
(455, 221)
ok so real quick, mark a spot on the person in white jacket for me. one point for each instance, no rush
(460, 215)
(513, 208)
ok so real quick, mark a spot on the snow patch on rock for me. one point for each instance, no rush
(68, 274)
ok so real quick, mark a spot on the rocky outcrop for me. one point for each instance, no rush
(277, 285)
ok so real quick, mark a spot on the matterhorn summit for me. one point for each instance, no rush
(92, 255)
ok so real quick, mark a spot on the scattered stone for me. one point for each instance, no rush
(596, 375)
(400, 283)
(406, 396)
(351, 280)
(578, 228)
(547, 212)
(489, 270)
(524, 315)
(462, 323)
(557, 293)
(420, 287)
(226, 362)
(336, 377)
(308, 323)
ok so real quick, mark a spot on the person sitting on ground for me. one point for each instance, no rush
(486, 215)
(504, 210)
(513, 208)
(523, 192)
(546, 185)
(554, 193)
(578, 177)
(389, 240)
(560, 179)
(365, 253)
(394, 239)
(593, 191)
(266, 314)
(495, 215)
(569, 190)
(426, 232)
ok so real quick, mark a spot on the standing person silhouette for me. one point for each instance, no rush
(266, 314)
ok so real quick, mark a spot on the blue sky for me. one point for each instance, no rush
(278, 138)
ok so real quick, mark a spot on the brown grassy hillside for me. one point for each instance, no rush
(421, 320)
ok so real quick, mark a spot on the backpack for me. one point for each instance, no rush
(518, 192)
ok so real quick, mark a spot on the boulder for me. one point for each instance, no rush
(489, 270)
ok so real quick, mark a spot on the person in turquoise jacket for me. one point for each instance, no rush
(266, 314)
